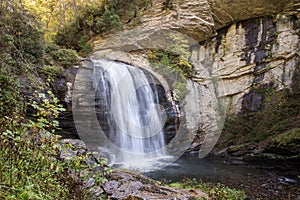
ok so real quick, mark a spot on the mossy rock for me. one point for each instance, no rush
(268, 156)
(287, 143)
(240, 147)
(279, 112)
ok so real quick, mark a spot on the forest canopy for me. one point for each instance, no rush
(56, 14)
(72, 23)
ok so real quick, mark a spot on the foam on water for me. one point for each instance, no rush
(129, 99)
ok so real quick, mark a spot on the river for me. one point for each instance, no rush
(257, 182)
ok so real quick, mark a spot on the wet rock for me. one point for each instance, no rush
(286, 144)
(235, 162)
(252, 102)
(68, 153)
(196, 144)
(123, 184)
(60, 88)
(130, 185)
(257, 51)
(63, 90)
(67, 125)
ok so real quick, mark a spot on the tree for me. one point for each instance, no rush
(57, 14)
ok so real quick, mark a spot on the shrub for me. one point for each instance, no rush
(30, 163)
(214, 191)
(279, 109)
(172, 63)
(92, 20)
(52, 72)
(98, 19)
(10, 95)
(62, 57)
(21, 49)
(26, 156)
(85, 47)
(21, 37)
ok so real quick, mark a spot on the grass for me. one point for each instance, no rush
(214, 191)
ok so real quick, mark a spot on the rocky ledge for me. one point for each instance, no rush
(131, 185)
(123, 184)
(282, 151)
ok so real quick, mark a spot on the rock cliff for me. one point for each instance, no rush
(249, 59)
(236, 48)
(197, 19)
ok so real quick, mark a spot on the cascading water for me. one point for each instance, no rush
(129, 112)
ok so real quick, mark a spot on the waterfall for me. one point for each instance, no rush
(129, 112)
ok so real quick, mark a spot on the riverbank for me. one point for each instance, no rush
(255, 180)
(126, 184)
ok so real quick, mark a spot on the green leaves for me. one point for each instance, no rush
(8, 39)
(215, 192)
(58, 56)
(48, 109)
(30, 163)
(26, 155)
(10, 96)
(21, 50)
(175, 67)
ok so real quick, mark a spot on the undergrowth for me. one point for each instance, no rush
(214, 191)
(278, 111)
(173, 64)
(98, 19)
(30, 162)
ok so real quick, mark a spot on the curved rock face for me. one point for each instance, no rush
(227, 11)
(193, 18)
(240, 48)
(198, 19)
